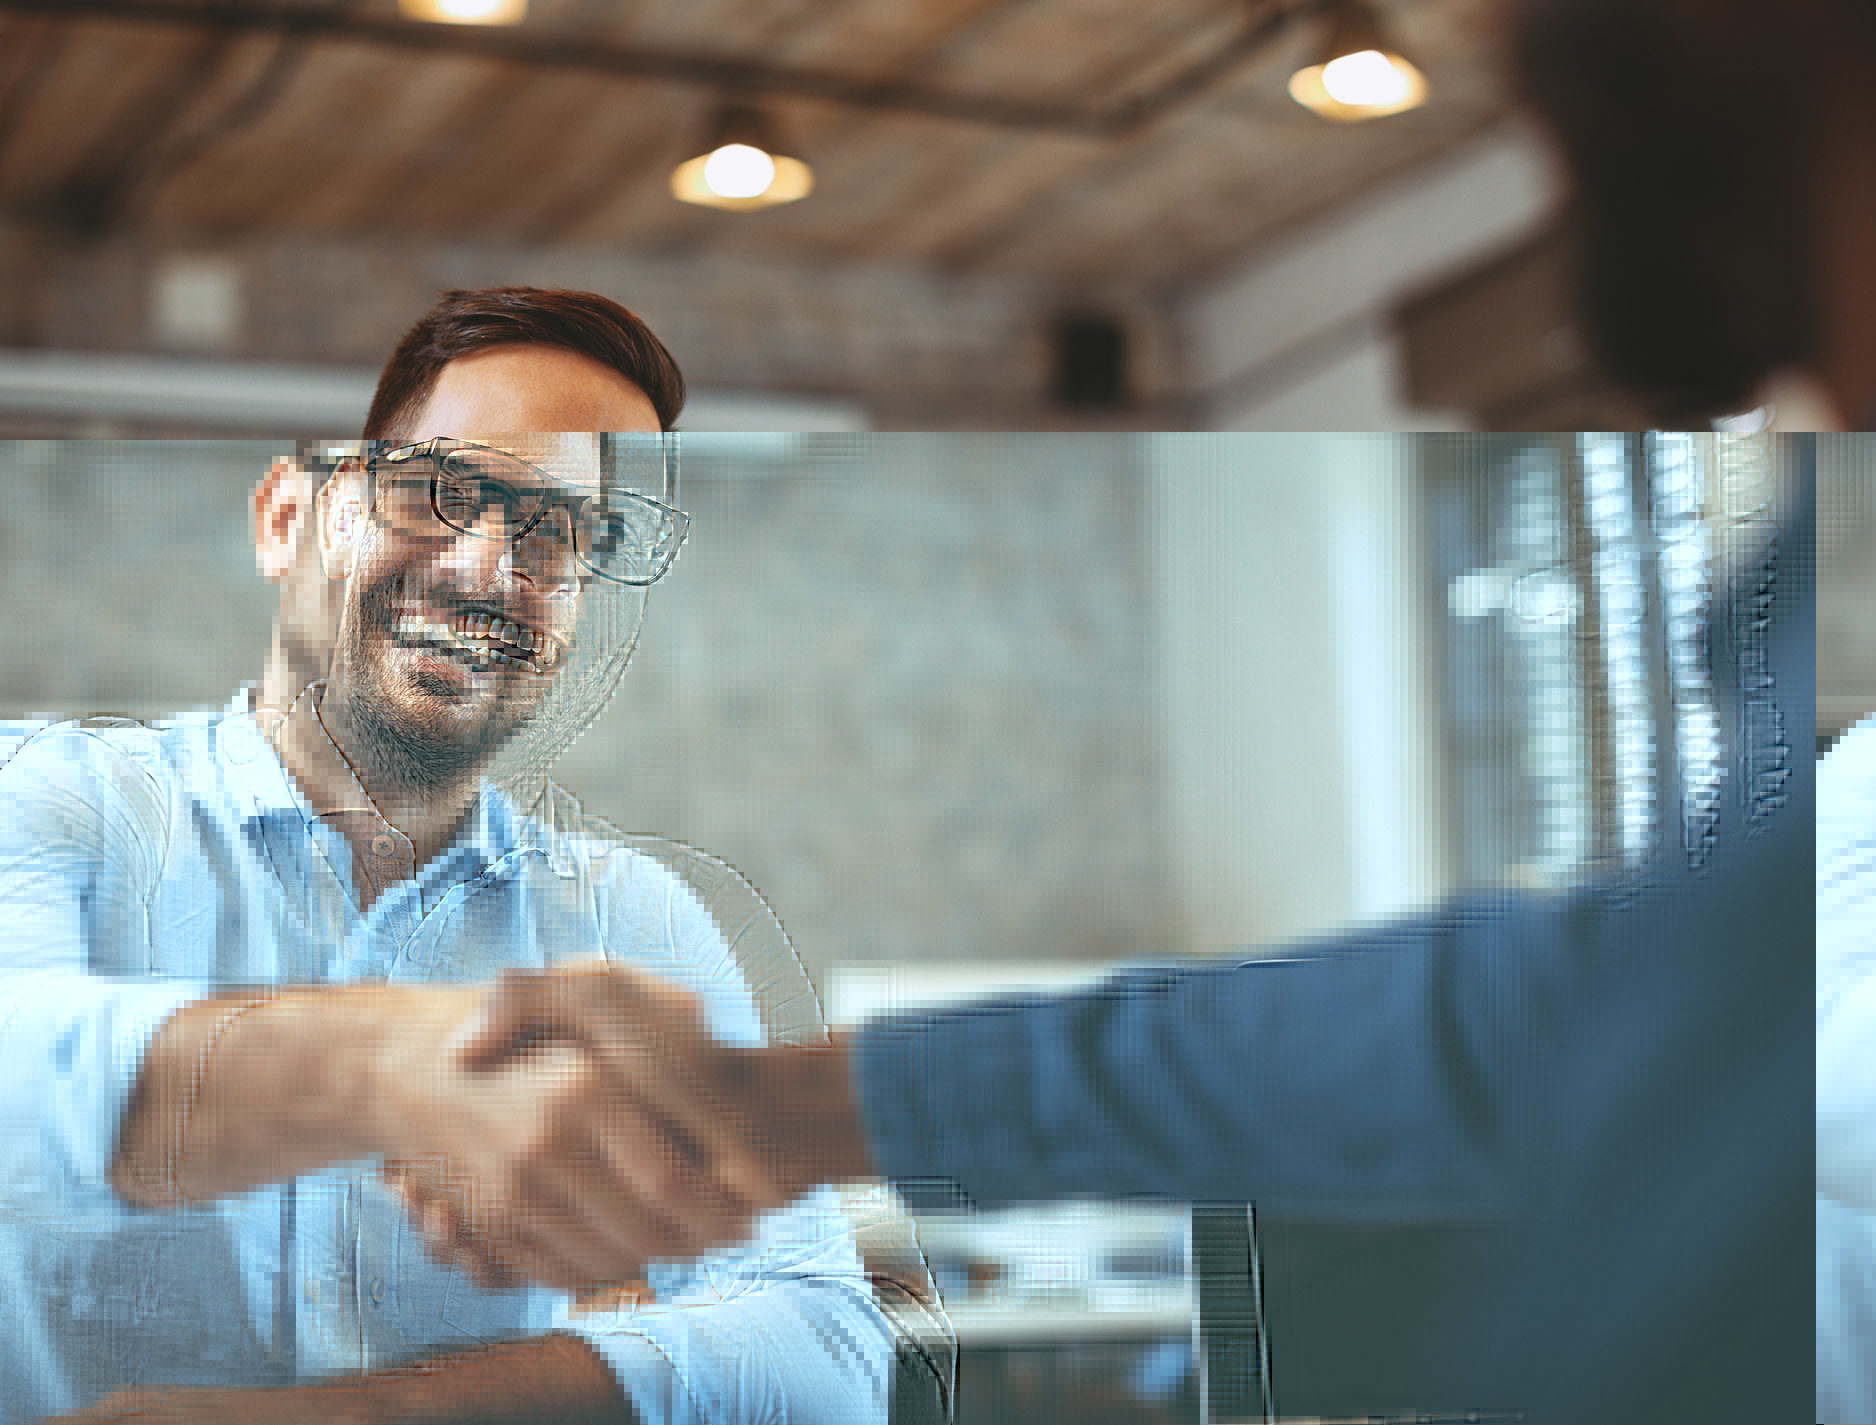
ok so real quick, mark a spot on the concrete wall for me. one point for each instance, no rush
(128, 572)
(1295, 702)
(901, 683)
(1846, 581)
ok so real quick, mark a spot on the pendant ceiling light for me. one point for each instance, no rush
(1359, 74)
(465, 12)
(742, 166)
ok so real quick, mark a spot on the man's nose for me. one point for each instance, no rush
(485, 553)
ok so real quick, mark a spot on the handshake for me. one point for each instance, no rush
(566, 1127)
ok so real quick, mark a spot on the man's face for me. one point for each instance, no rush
(450, 639)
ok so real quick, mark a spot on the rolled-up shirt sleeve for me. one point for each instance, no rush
(783, 1327)
(82, 838)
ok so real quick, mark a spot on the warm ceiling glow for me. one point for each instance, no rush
(466, 12)
(737, 170)
(1358, 73)
(1364, 85)
(1366, 77)
(741, 166)
(741, 176)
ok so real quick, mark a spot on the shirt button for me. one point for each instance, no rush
(380, 846)
(377, 1290)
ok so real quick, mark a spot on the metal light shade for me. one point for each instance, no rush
(744, 128)
(1392, 82)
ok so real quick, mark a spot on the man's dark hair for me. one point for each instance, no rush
(462, 323)
(1692, 203)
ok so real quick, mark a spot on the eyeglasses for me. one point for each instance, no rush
(486, 493)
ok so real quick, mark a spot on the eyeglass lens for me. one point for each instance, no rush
(619, 534)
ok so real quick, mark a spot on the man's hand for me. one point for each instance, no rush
(573, 1126)
(564, 1126)
(702, 1136)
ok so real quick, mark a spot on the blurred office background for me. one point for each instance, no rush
(1024, 214)
(1846, 585)
(974, 710)
(986, 710)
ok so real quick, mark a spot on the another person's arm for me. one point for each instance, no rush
(1392, 1073)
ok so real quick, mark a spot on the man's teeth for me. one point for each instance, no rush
(501, 642)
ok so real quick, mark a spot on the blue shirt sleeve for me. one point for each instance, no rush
(784, 1327)
(1383, 1074)
(83, 828)
(1621, 1075)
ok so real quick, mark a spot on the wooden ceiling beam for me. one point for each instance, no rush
(537, 48)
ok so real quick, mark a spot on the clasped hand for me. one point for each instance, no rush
(568, 1126)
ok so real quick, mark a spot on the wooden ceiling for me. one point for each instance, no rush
(1094, 142)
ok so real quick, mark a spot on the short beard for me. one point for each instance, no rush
(398, 753)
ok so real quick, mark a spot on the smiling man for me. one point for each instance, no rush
(241, 957)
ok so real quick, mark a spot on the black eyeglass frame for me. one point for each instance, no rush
(439, 447)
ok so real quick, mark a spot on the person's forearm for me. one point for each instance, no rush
(557, 1378)
(242, 1090)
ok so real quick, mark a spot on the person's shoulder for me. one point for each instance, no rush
(1846, 805)
(626, 868)
(578, 843)
(146, 762)
(659, 906)
(105, 745)
(106, 783)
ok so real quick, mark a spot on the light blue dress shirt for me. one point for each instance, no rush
(1846, 1079)
(143, 868)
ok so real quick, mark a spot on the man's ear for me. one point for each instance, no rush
(340, 515)
(282, 502)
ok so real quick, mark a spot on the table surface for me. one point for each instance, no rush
(1151, 1317)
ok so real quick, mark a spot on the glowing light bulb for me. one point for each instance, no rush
(1366, 78)
(738, 170)
(464, 12)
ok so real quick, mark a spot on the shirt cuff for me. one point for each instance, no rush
(648, 1377)
(73, 1049)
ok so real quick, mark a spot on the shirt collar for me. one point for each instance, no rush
(493, 828)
